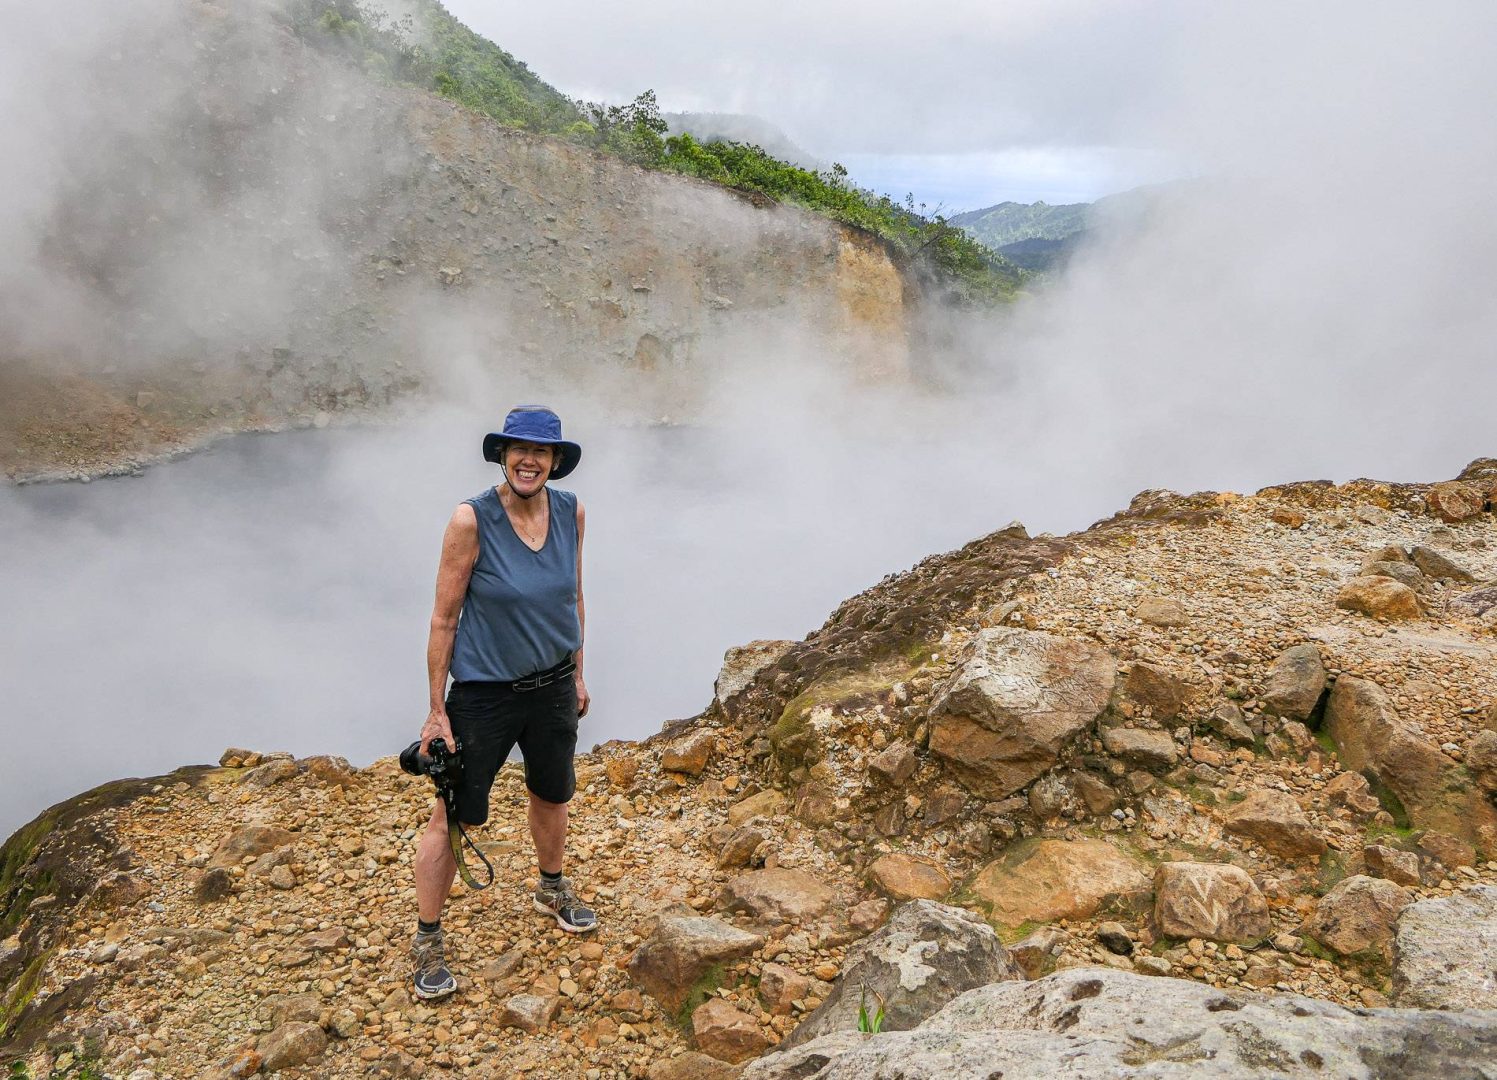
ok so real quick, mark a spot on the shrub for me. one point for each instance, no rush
(443, 55)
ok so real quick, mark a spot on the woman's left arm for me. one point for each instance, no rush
(583, 701)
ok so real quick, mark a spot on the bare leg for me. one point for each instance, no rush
(548, 829)
(434, 865)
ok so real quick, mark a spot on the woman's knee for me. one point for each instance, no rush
(546, 808)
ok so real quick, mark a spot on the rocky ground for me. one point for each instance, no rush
(1249, 742)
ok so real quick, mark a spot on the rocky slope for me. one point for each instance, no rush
(252, 234)
(1242, 746)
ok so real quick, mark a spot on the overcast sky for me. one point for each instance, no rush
(968, 102)
(965, 102)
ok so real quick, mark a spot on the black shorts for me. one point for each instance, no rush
(490, 720)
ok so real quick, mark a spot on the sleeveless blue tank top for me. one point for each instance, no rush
(520, 613)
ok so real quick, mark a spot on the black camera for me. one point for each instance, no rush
(445, 767)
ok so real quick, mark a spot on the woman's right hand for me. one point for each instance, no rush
(437, 726)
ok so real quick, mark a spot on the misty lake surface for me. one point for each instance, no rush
(273, 592)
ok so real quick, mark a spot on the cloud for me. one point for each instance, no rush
(844, 77)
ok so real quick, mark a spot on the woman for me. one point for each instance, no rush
(507, 626)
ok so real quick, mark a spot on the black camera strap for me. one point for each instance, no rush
(456, 837)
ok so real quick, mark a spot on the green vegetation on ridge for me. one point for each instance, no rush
(435, 51)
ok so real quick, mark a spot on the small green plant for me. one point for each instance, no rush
(870, 1025)
(18, 1071)
(701, 990)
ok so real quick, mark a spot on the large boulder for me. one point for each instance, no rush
(1295, 683)
(1449, 851)
(681, 950)
(1380, 598)
(1481, 760)
(1161, 611)
(1395, 864)
(726, 1033)
(689, 753)
(780, 987)
(895, 764)
(1018, 700)
(330, 770)
(1155, 689)
(908, 877)
(1405, 573)
(250, 840)
(292, 1044)
(778, 894)
(1276, 821)
(767, 803)
(271, 773)
(118, 890)
(1144, 747)
(1370, 738)
(1441, 567)
(1229, 721)
(925, 955)
(692, 1066)
(1357, 916)
(1363, 724)
(1059, 879)
(1095, 1023)
(1351, 790)
(742, 663)
(1455, 500)
(1209, 900)
(1477, 603)
(1445, 952)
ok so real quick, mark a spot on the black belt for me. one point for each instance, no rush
(543, 678)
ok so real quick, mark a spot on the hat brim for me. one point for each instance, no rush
(571, 453)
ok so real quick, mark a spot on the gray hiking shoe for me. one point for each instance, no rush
(571, 914)
(430, 978)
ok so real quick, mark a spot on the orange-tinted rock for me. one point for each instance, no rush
(906, 877)
(779, 894)
(726, 1033)
(250, 840)
(1019, 699)
(1059, 879)
(1380, 598)
(1357, 915)
(1455, 500)
(1275, 820)
(1209, 900)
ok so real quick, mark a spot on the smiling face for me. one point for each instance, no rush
(529, 466)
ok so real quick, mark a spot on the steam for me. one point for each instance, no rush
(1321, 305)
(176, 153)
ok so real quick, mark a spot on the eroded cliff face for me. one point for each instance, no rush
(273, 239)
(1245, 741)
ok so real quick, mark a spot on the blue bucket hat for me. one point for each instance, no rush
(533, 424)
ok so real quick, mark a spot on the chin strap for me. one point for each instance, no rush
(456, 837)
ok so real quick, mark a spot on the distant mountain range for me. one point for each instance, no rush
(1015, 222)
(1038, 236)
